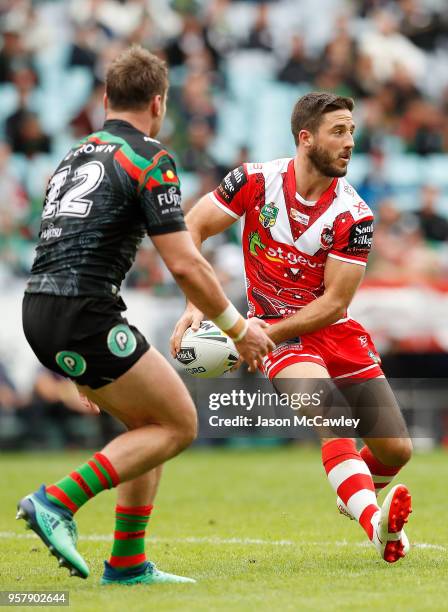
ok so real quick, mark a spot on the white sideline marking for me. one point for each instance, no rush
(96, 537)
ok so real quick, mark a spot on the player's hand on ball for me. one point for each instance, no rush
(192, 317)
(255, 344)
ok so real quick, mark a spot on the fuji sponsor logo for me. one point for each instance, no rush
(171, 197)
(51, 232)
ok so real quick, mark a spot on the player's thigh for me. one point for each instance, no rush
(313, 379)
(301, 378)
(382, 425)
(302, 371)
(149, 392)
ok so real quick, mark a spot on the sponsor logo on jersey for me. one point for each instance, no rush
(71, 363)
(186, 355)
(294, 344)
(90, 148)
(51, 232)
(348, 189)
(296, 215)
(361, 208)
(281, 255)
(268, 215)
(361, 238)
(231, 184)
(121, 341)
(327, 237)
(168, 199)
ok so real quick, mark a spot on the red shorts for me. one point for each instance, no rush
(345, 349)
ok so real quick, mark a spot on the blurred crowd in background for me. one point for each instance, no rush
(236, 69)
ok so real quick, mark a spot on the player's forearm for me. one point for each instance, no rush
(197, 240)
(195, 234)
(319, 313)
(201, 287)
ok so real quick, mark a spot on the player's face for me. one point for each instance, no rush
(332, 144)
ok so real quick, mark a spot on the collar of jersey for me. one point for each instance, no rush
(120, 123)
(303, 201)
(327, 197)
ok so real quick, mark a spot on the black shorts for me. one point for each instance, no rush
(83, 338)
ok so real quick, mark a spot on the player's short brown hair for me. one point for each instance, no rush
(308, 110)
(134, 78)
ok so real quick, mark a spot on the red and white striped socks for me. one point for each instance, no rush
(350, 477)
(382, 474)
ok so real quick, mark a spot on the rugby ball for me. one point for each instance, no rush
(207, 352)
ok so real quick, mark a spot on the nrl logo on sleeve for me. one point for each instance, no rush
(186, 355)
(268, 215)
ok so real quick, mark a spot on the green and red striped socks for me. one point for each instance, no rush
(128, 550)
(85, 482)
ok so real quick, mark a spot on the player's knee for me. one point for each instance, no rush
(404, 451)
(187, 429)
(397, 452)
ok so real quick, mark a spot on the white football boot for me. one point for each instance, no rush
(389, 536)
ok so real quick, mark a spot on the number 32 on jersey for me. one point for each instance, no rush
(73, 203)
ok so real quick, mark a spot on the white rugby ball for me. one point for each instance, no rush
(207, 352)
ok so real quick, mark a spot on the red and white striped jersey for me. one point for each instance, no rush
(286, 240)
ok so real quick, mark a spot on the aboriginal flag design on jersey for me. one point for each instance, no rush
(113, 187)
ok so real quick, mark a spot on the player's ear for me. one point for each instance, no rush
(157, 106)
(305, 138)
(105, 102)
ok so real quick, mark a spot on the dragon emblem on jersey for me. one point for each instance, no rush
(268, 215)
(254, 242)
(327, 237)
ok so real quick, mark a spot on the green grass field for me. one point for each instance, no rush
(258, 529)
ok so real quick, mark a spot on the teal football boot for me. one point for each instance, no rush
(56, 528)
(148, 574)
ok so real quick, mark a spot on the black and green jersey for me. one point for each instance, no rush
(109, 190)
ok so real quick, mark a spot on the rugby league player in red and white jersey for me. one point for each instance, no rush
(306, 238)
